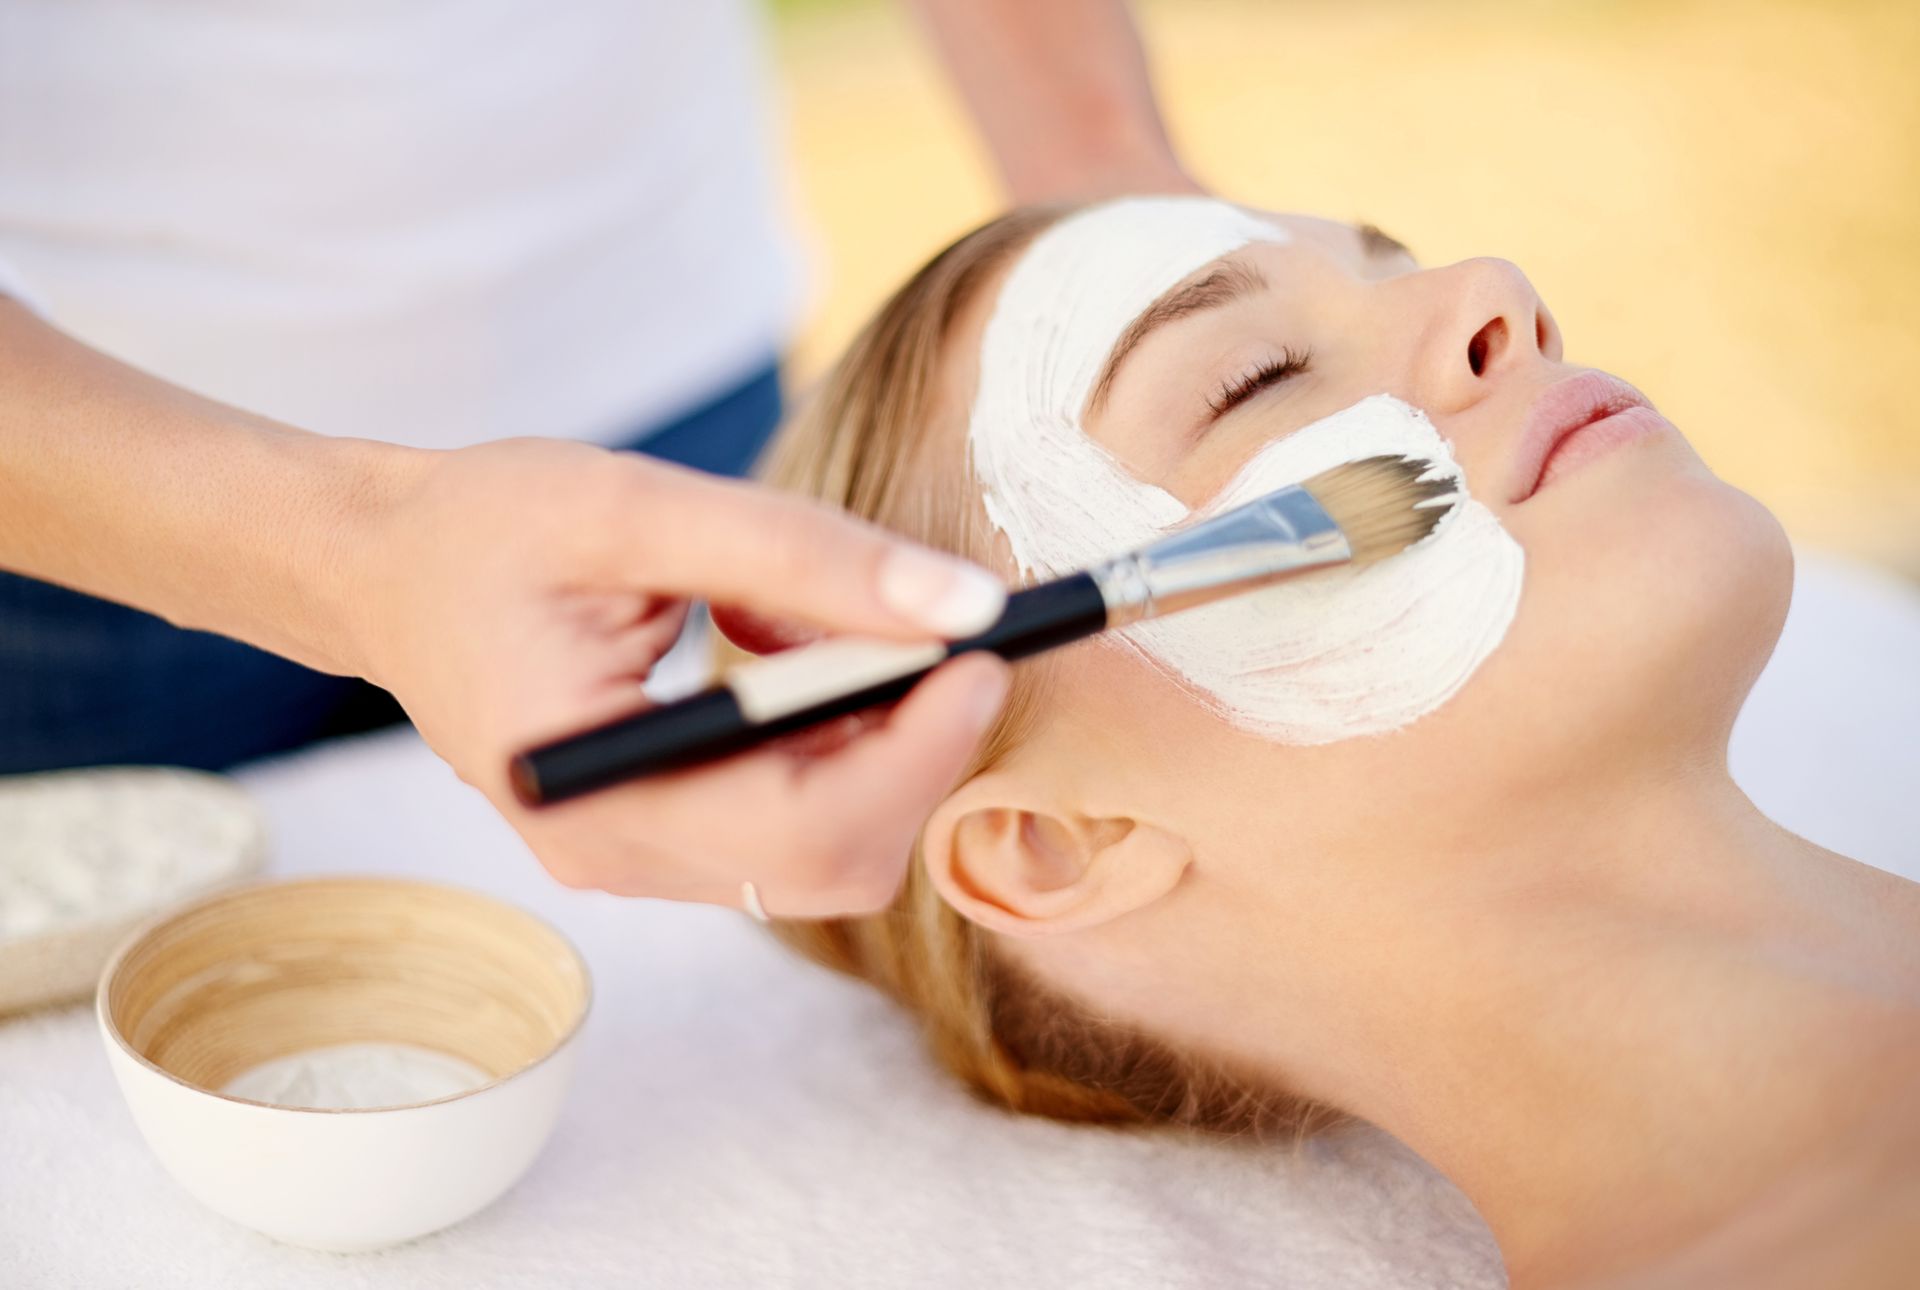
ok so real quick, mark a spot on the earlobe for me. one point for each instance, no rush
(1016, 864)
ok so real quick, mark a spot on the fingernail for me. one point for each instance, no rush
(946, 596)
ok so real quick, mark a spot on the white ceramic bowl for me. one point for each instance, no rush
(204, 994)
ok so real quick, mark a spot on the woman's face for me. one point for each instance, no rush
(1652, 594)
(1652, 590)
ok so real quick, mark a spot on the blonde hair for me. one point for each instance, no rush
(867, 441)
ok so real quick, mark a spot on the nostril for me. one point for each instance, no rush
(1485, 344)
(1540, 330)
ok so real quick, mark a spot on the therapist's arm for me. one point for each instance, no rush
(504, 593)
(1061, 93)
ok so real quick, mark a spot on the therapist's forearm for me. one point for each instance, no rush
(118, 484)
(1061, 92)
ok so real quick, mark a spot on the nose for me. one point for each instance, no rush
(1488, 323)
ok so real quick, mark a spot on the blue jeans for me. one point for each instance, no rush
(87, 682)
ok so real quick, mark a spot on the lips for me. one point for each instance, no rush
(1590, 411)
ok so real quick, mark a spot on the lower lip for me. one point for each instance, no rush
(1598, 438)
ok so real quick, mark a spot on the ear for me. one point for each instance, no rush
(1012, 861)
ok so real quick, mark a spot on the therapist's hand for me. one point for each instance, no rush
(506, 594)
(518, 591)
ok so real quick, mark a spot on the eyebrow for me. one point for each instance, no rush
(1227, 283)
(1378, 243)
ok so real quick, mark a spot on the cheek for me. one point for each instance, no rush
(1142, 748)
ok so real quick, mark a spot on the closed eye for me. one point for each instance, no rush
(1260, 377)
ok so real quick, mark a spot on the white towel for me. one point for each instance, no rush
(745, 1120)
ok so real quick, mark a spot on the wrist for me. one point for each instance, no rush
(361, 488)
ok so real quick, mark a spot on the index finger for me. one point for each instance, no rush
(689, 534)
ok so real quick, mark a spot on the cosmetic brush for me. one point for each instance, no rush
(1353, 514)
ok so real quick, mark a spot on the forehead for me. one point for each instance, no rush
(1089, 276)
(1097, 271)
(1155, 242)
(1069, 295)
(1076, 289)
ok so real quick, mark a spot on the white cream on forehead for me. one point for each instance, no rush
(1345, 653)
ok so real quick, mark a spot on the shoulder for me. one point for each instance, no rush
(1851, 1218)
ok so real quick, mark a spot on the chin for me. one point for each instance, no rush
(1651, 604)
(1715, 575)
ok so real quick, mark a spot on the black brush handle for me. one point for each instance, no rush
(1041, 618)
(711, 724)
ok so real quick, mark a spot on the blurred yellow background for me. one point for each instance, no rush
(1718, 201)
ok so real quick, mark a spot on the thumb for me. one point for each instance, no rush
(689, 534)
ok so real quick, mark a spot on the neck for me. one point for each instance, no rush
(1613, 1025)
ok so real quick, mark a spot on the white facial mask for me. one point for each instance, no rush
(1336, 655)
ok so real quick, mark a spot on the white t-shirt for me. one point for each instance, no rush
(429, 221)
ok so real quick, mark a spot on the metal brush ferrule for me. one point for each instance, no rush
(1282, 534)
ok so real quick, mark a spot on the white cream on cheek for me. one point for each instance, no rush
(1342, 654)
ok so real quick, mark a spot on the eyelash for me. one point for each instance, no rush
(1269, 373)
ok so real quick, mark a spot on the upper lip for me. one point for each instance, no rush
(1561, 409)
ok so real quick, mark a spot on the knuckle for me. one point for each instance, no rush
(871, 892)
(628, 486)
(790, 546)
(820, 868)
(870, 879)
(571, 871)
